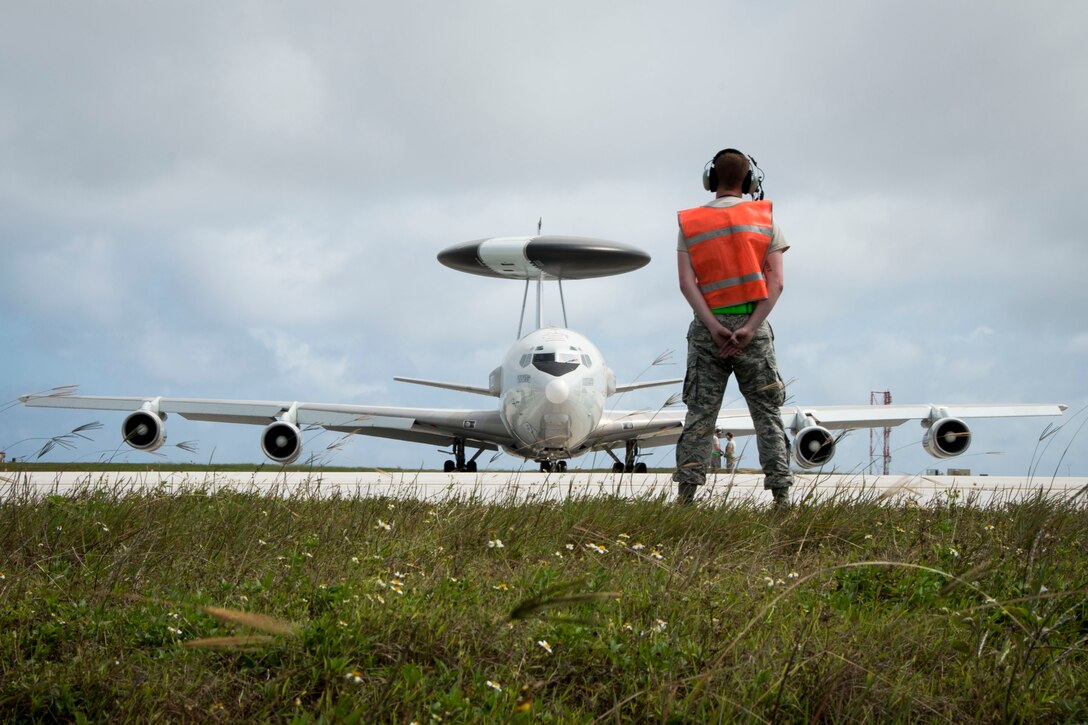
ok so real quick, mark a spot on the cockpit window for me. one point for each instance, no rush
(525, 359)
(556, 363)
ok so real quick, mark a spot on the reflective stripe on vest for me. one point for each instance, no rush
(727, 246)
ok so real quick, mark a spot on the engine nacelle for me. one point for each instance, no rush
(946, 438)
(282, 442)
(813, 446)
(144, 430)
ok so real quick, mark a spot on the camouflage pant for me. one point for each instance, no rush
(704, 388)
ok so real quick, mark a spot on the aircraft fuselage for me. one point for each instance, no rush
(553, 383)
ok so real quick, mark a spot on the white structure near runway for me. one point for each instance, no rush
(519, 487)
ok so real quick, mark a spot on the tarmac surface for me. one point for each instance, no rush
(520, 487)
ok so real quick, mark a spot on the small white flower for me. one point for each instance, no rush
(547, 647)
(354, 560)
(769, 580)
(495, 544)
(638, 546)
(792, 575)
(383, 525)
(494, 686)
(660, 625)
(570, 547)
(354, 676)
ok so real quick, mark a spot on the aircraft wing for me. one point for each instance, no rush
(845, 417)
(438, 426)
(662, 427)
(628, 387)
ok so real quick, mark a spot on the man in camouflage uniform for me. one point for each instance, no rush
(735, 339)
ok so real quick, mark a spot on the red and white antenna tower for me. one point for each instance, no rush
(880, 397)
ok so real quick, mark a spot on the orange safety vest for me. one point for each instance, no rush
(727, 246)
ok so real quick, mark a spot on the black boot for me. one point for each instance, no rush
(686, 493)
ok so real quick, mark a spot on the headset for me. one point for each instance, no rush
(753, 180)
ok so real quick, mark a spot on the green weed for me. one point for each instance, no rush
(125, 605)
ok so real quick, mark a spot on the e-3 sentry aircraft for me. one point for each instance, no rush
(552, 388)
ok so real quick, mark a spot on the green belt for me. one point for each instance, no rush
(745, 308)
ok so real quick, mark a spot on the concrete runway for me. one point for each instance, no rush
(513, 487)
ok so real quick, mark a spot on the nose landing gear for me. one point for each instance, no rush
(549, 466)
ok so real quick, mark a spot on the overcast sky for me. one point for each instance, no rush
(245, 200)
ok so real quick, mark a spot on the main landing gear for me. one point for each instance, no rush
(549, 466)
(628, 465)
(459, 463)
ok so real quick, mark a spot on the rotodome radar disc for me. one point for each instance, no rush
(547, 257)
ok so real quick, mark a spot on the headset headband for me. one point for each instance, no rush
(751, 184)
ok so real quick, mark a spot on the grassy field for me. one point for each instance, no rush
(227, 607)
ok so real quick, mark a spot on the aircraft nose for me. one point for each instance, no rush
(557, 391)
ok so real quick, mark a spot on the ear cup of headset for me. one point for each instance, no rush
(710, 177)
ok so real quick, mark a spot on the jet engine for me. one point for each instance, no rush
(946, 437)
(282, 442)
(813, 446)
(144, 430)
